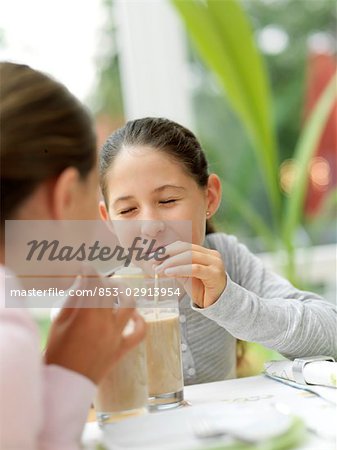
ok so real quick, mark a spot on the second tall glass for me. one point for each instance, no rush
(163, 344)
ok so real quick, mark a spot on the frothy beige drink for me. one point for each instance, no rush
(164, 364)
(123, 391)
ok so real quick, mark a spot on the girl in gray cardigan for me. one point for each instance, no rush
(154, 169)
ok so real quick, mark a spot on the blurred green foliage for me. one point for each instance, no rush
(229, 150)
(43, 324)
(300, 19)
(106, 96)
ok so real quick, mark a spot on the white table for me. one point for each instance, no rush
(318, 414)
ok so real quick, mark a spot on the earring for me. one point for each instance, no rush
(208, 213)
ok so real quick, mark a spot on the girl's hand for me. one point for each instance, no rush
(201, 265)
(90, 340)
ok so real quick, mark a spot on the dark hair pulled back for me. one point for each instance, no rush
(44, 130)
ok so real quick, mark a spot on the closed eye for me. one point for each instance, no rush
(126, 211)
(165, 202)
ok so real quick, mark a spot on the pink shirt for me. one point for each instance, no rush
(42, 407)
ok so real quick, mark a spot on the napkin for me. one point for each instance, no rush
(323, 373)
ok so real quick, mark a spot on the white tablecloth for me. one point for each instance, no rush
(319, 415)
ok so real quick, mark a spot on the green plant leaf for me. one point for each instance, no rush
(236, 35)
(304, 150)
(222, 35)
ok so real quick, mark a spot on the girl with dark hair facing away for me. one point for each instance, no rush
(48, 172)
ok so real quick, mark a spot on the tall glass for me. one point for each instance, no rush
(123, 392)
(163, 344)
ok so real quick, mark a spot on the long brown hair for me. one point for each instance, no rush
(44, 129)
